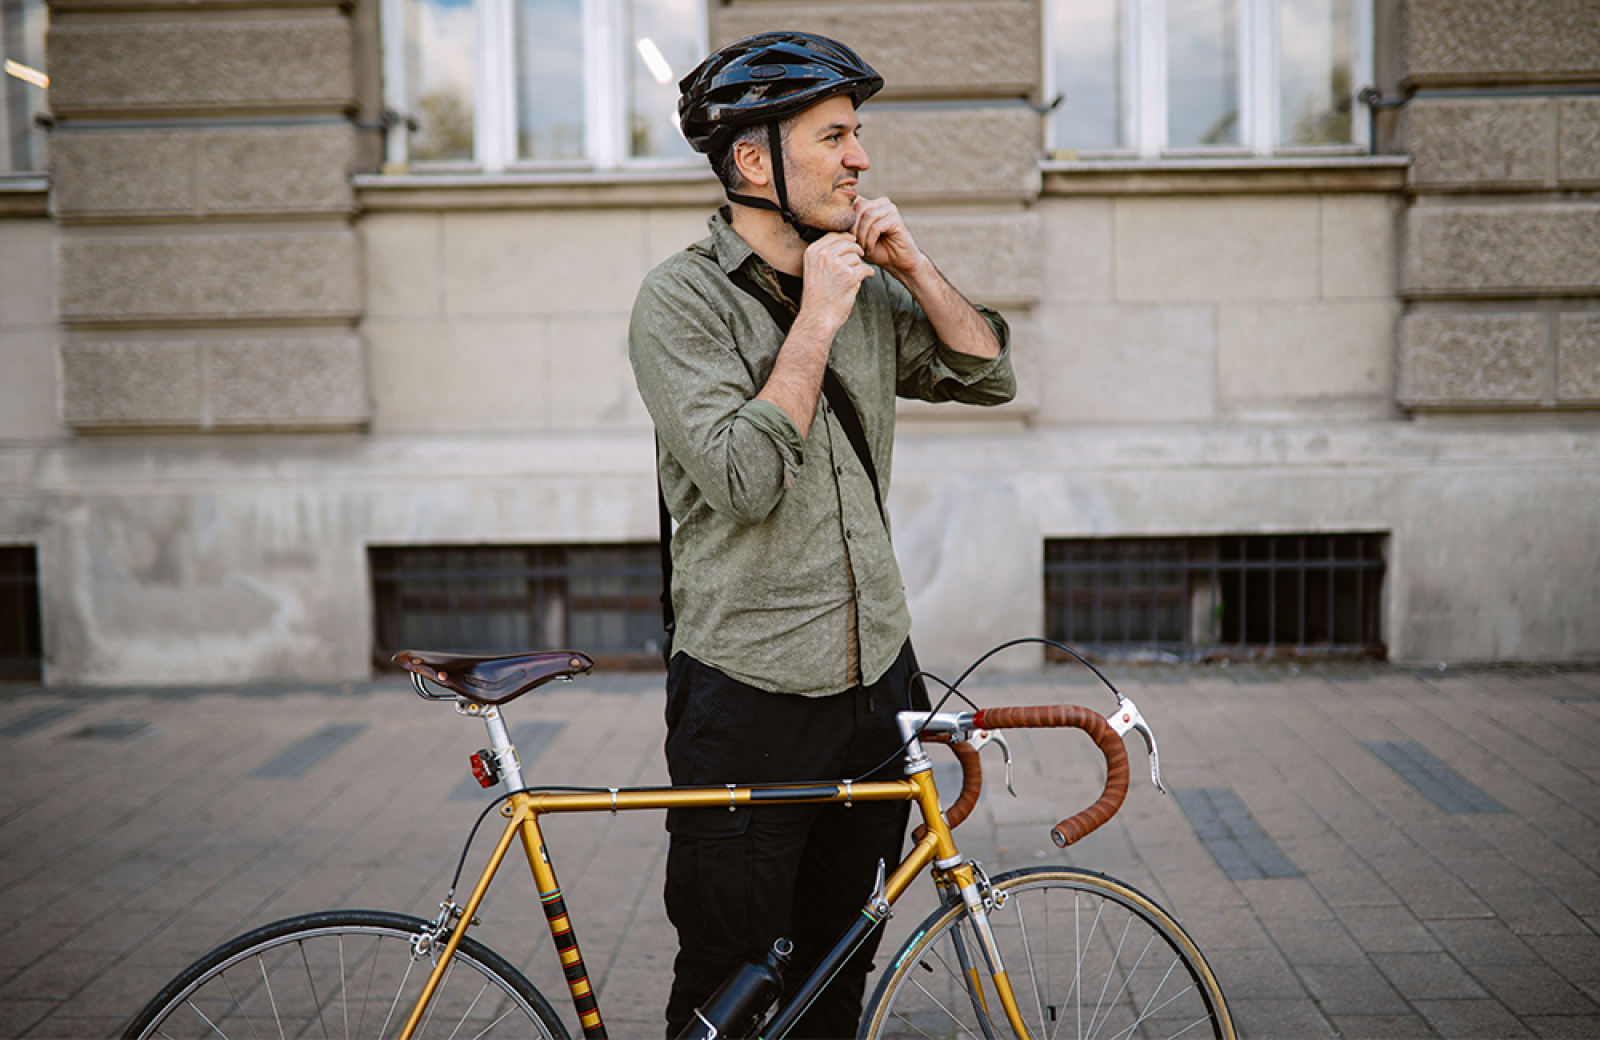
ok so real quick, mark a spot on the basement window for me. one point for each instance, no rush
(1246, 595)
(21, 635)
(601, 600)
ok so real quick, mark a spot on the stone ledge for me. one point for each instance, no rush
(203, 172)
(268, 275)
(245, 65)
(565, 189)
(930, 49)
(1276, 176)
(256, 383)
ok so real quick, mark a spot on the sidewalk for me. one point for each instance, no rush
(1362, 851)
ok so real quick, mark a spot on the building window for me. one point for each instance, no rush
(22, 85)
(21, 635)
(501, 84)
(603, 600)
(1250, 594)
(1147, 78)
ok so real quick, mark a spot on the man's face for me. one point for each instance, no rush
(822, 157)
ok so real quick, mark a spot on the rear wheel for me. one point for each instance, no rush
(1087, 957)
(344, 973)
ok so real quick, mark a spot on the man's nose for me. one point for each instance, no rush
(856, 158)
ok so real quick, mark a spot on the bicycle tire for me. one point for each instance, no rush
(343, 973)
(1087, 956)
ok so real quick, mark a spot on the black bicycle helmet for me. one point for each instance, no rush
(763, 80)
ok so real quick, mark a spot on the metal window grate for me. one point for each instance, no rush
(21, 633)
(604, 600)
(1306, 593)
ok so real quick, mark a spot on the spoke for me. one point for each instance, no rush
(398, 993)
(316, 1002)
(272, 999)
(940, 1005)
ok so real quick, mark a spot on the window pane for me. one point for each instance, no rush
(441, 38)
(1086, 51)
(22, 90)
(550, 100)
(664, 44)
(1314, 71)
(1202, 73)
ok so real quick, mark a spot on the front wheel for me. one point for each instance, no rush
(343, 973)
(1087, 956)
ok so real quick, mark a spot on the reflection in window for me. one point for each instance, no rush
(441, 46)
(1202, 73)
(550, 85)
(1315, 86)
(22, 85)
(505, 82)
(665, 40)
(1153, 77)
(1086, 54)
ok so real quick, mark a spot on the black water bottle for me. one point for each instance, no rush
(735, 1009)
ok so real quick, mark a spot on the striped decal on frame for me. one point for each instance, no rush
(583, 998)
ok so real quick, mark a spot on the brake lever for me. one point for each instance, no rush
(981, 737)
(1127, 717)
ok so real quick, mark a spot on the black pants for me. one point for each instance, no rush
(739, 880)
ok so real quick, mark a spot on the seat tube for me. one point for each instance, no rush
(562, 933)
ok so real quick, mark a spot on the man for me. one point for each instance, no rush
(790, 653)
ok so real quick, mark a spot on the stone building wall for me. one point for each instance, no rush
(1501, 247)
(208, 275)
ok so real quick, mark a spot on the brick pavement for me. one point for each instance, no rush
(140, 827)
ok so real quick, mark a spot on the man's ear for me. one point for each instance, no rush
(753, 163)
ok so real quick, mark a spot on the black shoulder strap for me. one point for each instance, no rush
(832, 389)
(838, 400)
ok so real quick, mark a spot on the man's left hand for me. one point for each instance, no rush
(883, 236)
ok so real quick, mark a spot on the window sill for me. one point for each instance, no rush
(1225, 176)
(537, 190)
(24, 196)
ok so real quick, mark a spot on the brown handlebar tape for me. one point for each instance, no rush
(1084, 823)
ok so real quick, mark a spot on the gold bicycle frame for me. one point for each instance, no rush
(523, 809)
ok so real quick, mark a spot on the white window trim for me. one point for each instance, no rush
(605, 70)
(1144, 57)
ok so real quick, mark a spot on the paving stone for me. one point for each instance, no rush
(1428, 976)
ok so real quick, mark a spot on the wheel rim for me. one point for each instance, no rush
(345, 980)
(1085, 959)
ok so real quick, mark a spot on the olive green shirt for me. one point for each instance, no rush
(779, 545)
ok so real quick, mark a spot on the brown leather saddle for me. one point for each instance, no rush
(494, 679)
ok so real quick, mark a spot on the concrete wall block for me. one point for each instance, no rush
(277, 170)
(140, 384)
(1472, 359)
(166, 173)
(965, 153)
(1359, 254)
(1578, 359)
(1501, 250)
(1200, 250)
(992, 259)
(27, 288)
(316, 381)
(121, 174)
(249, 64)
(1461, 41)
(1492, 143)
(1111, 364)
(267, 275)
(1578, 142)
(1281, 359)
(941, 49)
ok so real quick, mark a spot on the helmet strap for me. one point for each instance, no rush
(807, 233)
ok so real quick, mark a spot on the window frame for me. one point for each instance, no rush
(1143, 53)
(605, 69)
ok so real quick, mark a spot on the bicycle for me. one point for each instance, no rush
(1039, 952)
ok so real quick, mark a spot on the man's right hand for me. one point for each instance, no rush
(834, 270)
